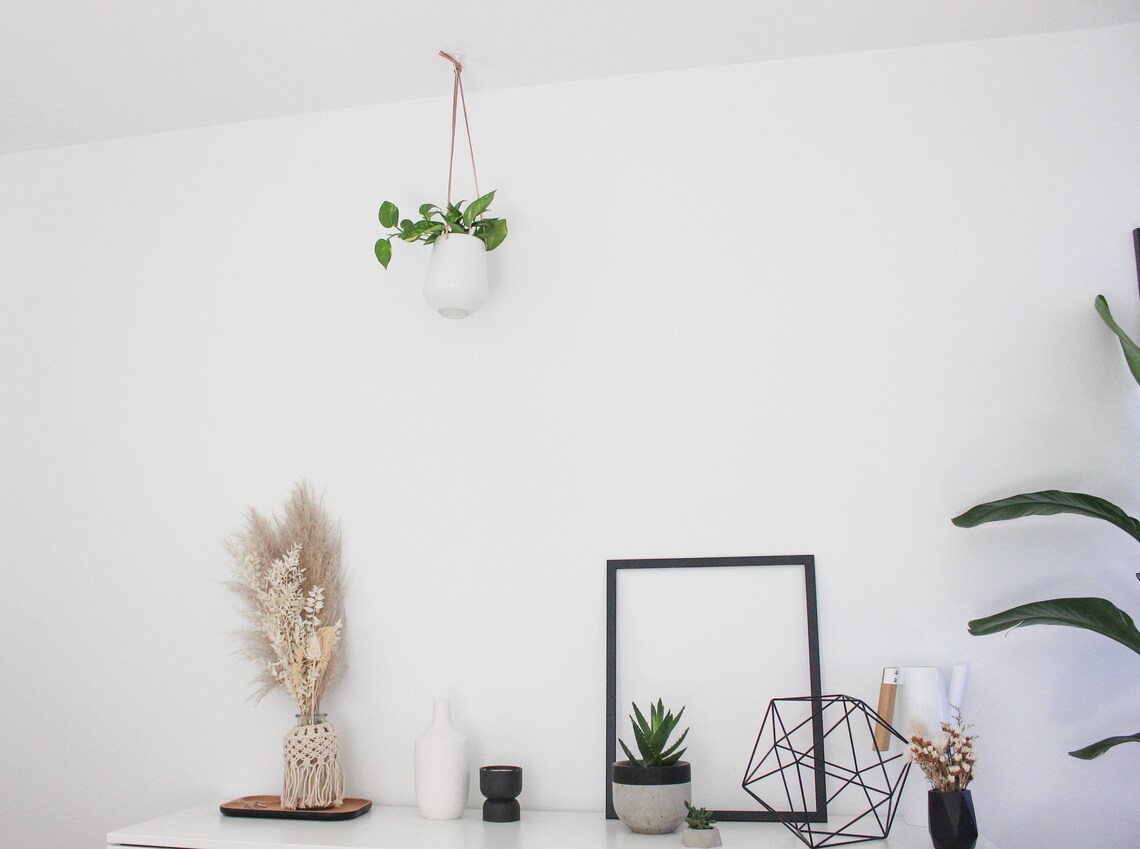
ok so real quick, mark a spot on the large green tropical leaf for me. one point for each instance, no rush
(1092, 614)
(1131, 350)
(1095, 750)
(1048, 503)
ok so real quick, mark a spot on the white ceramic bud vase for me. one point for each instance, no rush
(457, 275)
(442, 768)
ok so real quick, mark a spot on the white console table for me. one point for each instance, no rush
(204, 827)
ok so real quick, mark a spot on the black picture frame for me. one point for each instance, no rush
(807, 562)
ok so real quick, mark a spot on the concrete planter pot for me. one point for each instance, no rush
(701, 838)
(651, 800)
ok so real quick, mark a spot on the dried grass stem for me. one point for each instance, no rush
(287, 571)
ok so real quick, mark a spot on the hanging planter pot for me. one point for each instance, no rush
(456, 283)
(460, 237)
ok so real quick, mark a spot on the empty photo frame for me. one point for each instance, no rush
(721, 637)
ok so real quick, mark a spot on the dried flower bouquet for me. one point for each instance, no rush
(947, 758)
(288, 572)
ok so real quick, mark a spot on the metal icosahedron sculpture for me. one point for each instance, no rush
(862, 787)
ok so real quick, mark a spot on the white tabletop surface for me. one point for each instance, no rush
(205, 827)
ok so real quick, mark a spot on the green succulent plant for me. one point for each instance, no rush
(652, 737)
(1098, 615)
(700, 818)
(435, 221)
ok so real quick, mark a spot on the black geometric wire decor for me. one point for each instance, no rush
(862, 782)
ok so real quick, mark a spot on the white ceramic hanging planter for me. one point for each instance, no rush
(456, 283)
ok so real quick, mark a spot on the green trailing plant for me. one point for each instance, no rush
(652, 737)
(1091, 614)
(699, 818)
(434, 221)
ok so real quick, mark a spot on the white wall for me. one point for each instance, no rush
(805, 306)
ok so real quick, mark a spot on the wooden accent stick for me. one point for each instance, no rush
(886, 709)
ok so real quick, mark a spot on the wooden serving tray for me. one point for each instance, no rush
(269, 807)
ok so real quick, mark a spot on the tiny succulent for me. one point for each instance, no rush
(700, 818)
(652, 737)
(434, 221)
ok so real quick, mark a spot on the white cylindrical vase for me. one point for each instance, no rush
(456, 283)
(442, 767)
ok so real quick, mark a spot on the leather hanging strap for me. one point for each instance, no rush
(457, 98)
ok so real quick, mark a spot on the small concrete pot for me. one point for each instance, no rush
(651, 800)
(700, 838)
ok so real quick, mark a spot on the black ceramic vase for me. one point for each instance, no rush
(500, 784)
(952, 821)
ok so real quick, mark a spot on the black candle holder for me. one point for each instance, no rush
(501, 785)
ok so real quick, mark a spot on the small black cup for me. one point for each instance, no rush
(501, 784)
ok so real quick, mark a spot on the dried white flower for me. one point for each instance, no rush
(946, 758)
(313, 647)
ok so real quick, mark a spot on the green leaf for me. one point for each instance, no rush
(477, 208)
(648, 753)
(669, 760)
(426, 209)
(384, 252)
(1048, 503)
(659, 732)
(455, 218)
(629, 754)
(665, 727)
(389, 214)
(1095, 750)
(640, 717)
(408, 230)
(494, 234)
(672, 750)
(1091, 614)
(1131, 351)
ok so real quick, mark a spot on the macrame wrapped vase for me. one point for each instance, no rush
(313, 776)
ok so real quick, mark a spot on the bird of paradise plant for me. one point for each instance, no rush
(1092, 614)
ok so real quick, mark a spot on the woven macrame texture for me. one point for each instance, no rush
(313, 777)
